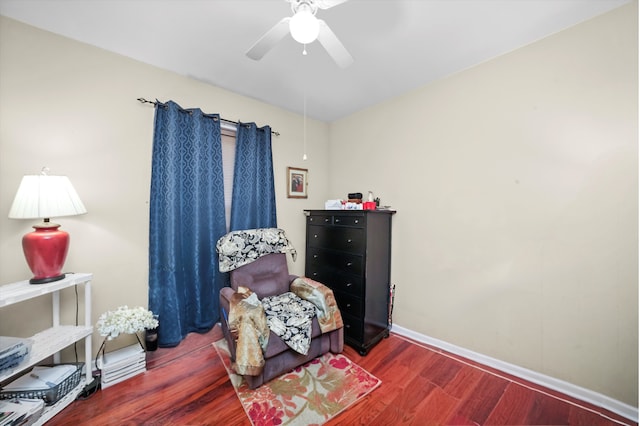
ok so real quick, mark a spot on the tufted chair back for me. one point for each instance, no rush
(267, 276)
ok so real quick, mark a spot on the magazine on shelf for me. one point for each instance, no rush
(20, 411)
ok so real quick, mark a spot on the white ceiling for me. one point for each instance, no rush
(398, 45)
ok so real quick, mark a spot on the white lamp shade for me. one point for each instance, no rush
(44, 196)
(304, 27)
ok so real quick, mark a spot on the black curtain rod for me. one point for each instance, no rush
(144, 101)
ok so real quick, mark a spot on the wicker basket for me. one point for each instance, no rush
(49, 395)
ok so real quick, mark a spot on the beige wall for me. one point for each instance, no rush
(516, 186)
(72, 107)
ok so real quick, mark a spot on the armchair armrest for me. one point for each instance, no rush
(225, 308)
(225, 296)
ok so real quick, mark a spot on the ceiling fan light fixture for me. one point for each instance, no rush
(304, 26)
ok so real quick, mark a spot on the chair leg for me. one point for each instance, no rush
(337, 341)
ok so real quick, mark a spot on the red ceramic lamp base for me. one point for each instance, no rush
(46, 250)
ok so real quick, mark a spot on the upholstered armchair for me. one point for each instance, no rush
(268, 276)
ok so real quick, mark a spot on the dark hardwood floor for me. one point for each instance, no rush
(188, 385)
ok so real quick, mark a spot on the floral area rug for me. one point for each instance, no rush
(309, 395)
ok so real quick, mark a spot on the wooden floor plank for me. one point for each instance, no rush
(514, 406)
(408, 402)
(435, 409)
(442, 371)
(579, 416)
(464, 382)
(483, 398)
(547, 411)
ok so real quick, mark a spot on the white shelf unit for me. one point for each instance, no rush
(52, 340)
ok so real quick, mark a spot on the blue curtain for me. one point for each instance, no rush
(186, 220)
(253, 204)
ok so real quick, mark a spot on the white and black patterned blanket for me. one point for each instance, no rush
(290, 317)
(238, 248)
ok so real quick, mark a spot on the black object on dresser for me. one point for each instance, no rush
(350, 252)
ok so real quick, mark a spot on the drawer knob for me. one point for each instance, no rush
(356, 221)
(326, 219)
(348, 305)
(315, 256)
(349, 263)
(315, 235)
(347, 326)
(349, 240)
(337, 220)
(310, 219)
(349, 284)
(315, 274)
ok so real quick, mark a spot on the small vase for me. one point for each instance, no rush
(151, 339)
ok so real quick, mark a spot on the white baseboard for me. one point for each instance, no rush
(566, 388)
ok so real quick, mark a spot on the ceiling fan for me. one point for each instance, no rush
(305, 28)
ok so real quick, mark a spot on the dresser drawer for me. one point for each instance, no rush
(336, 261)
(353, 327)
(320, 220)
(337, 219)
(357, 221)
(349, 305)
(336, 281)
(348, 283)
(337, 238)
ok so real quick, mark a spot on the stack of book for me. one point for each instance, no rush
(12, 351)
(122, 364)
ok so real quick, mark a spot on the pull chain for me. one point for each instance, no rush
(304, 125)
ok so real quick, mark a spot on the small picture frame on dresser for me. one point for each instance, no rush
(297, 182)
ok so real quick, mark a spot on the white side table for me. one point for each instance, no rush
(52, 340)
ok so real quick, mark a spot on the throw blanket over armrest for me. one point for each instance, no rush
(322, 297)
(248, 324)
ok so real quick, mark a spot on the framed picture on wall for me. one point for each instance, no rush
(297, 182)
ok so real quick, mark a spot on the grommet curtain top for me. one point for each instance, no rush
(215, 117)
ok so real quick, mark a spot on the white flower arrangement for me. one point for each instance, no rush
(125, 320)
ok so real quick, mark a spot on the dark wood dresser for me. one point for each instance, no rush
(350, 252)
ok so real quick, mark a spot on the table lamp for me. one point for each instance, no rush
(42, 197)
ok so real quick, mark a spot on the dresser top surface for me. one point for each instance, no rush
(341, 212)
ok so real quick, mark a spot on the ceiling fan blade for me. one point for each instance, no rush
(333, 46)
(269, 40)
(326, 4)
